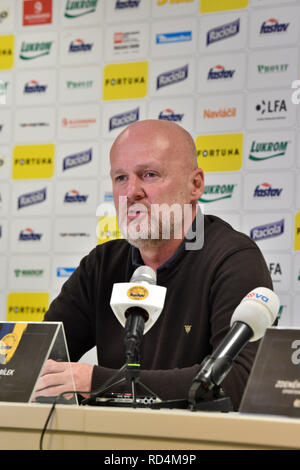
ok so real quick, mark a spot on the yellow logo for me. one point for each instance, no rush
(33, 161)
(107, 229)
(137, 293)
(208, 6)
(10, 342)
(187, 328)
(125, 81)
(220, 152)
(27, 306)
(297, 232)
(7, 52)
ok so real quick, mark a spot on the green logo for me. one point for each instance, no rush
(28, 272)
(265, 150)
(217, 192)
(33, 50)
(77, 8)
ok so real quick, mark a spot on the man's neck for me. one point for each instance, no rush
(157, 254)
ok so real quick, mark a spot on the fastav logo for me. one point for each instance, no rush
(218, 72)
(122, 4)
(273, 26)
(28, 234)
(266, 190)
(263, 232)
(74, 196)
(225, 31)
(30, 199)
(171, 77)
(78, 159)
(169, 115)
(33, 87)
(78, 45)
(124, 119)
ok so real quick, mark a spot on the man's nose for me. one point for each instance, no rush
(135, 189)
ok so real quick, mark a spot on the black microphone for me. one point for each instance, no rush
(256, 312)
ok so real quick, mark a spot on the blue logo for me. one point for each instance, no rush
(77, 159)
(169, 115)
(33, 87)
(218, 72)
(262, 232)
(80, 46)
(266, 190)
(124, 119)
(28, 235)
(120, 4)
(273, 26)
(30, 199)
(171, 77)
(167, 38)
(74, 196)
(225, 31)
(64, 272)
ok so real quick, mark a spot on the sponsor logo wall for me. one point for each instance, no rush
(73, 74)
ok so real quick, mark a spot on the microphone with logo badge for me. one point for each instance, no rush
(256, 312)
(137, 305)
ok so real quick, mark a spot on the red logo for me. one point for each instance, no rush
(37, 12)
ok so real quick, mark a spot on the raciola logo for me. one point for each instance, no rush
(78, 159)
(225, 31)
(171, 77)
(262, 232)
(29, 199)
(124, 119)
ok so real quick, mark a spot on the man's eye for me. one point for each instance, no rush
(150, 174)
(120, 178)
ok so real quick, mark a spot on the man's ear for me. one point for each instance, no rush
(198, 184)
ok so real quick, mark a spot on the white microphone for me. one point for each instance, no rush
(141, 292)
(137, 305)
(256, 312)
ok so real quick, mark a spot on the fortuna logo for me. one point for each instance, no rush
(28, 235)
(34, 50)
(273, 26)
(120, 4)
(221, 113)
(124, 119)
(34, 87)
(218, 152)
(78, 159)
(276, 149)
(74, 196)
(266, 190)
(262, 232)
(79, 46)
(32, 198)
(167, 38)
(76, 8)
(218, 192)
(171, 77)
(124, 81)
(225, 31)
(169, 115)
(219, 72)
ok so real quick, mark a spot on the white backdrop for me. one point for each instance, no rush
(74, 73)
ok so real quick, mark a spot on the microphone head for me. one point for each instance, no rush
(258, 309)
(144, 273)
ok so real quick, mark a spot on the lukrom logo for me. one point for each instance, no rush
(77, 8)
(217, 192)
(34, 50)
(260, 151)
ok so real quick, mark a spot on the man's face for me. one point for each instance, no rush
(147, 172)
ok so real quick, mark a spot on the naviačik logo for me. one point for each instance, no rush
(30, 199)
(266, 190)
(124, 119)
(74, 196)
(80, 46)
(171, 77)
(273, 26)
(218, 72)
(225, 31)
(78, 159)
(262, 232)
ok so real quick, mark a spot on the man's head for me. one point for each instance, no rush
(153, 164)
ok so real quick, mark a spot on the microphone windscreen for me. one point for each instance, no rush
(144, 273)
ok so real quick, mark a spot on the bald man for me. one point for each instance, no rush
(154, 167)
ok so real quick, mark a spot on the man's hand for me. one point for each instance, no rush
(56, 378)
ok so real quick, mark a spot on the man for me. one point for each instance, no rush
(154, 164)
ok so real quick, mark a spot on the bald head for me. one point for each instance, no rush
(161, 136)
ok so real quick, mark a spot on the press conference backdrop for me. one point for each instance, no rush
(74, 73)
